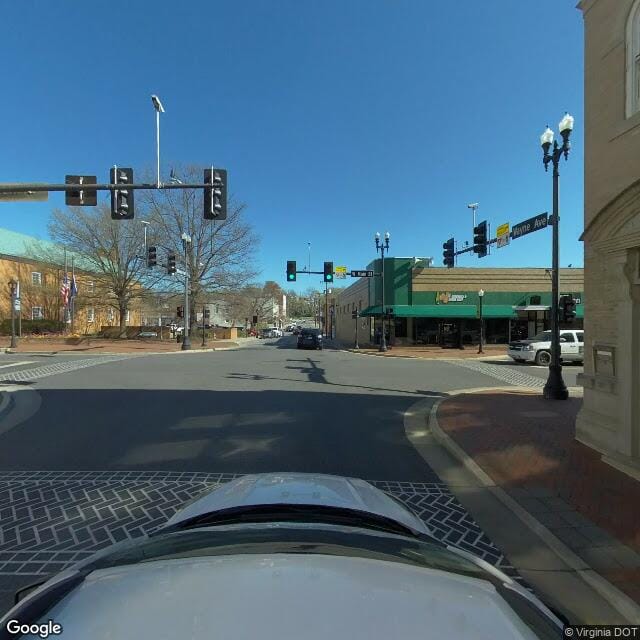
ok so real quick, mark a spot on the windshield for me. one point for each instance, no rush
(336, 239)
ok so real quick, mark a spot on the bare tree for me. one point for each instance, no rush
(110, 249)
(220, 254)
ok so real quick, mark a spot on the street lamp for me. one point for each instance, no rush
(146, 223)
(157, 105)
(13, 288)
(186, 342)
(473, 206)
(555, 388)
(480, 296)
(382, 247)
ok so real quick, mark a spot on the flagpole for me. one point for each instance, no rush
(64, 308)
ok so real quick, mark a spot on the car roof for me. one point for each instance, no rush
(284, 595)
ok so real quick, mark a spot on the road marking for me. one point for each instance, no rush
(58, 367)
(516, 378)
(16, 364)
(51, 519)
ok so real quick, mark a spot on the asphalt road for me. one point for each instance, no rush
(97, 449)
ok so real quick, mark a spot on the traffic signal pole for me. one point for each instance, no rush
(186, 342)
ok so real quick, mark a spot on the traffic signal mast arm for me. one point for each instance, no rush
(26, 188)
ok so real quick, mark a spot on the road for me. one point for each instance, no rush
(97, 449)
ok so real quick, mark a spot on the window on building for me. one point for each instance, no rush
(633, 60)
(91, 314)
(127, 316)
(110, 314)
(36, 313)
(36, 277)
(90, 286)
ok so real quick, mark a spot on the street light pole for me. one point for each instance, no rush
(555, 388)
(204, 342)
(186, 342)
(356, 345)
(382, 247)
(481, 296)
(13, 288)
(157, 105)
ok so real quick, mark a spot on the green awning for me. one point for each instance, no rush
(452, 311)
(444, 311)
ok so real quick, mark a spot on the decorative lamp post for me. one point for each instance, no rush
(382, 247)
(480, 297)
(555, 388)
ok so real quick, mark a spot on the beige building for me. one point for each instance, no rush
(610, 417)
(440, 306)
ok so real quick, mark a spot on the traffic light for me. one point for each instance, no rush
(215, 197)
(152, 257)
(291, 270)
(207, 313)
(122, 199)
(180, 312)
(82, 197)
(448, 253)
(171, 263)
(328, 271)
(480, 239)
(567, 308)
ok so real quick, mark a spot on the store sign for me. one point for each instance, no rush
(444, 297)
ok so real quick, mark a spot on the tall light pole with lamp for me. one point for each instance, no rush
(382, 247)
(480, 297)
(555, 388)
(157, 105)
(186, 342)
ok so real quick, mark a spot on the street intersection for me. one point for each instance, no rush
(99, 449)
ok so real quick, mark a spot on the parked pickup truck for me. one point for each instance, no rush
(538, 348)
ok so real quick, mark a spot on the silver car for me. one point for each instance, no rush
(286, 555)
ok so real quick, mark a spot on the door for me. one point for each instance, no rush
(569, 346)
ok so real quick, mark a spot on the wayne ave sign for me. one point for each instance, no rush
(529, 226)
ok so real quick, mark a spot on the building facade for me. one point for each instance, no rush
(39, 285)
(609, 420)
(440, 306)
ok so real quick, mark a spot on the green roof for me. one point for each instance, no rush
(452, 311)
(20, 245)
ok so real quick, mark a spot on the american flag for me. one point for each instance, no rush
(65, 290)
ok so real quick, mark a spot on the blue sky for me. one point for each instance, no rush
(335, 119)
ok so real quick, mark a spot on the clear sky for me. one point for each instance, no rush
(334, 118)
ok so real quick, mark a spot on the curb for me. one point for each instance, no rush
(118, 353)
(616, 598)
(6, 403)
(410, 357)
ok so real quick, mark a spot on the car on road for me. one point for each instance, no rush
(538, 348)
(310, 339)
(285, 555)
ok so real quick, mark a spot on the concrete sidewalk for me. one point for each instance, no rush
(525, 445)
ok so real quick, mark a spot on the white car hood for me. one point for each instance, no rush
(302, 489)
(283, 596)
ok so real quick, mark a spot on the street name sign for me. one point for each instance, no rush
(529, 226)
(502, 235)
(341, 272)
(21, 195)
(362, 273)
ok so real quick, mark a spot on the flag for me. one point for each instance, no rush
(73, 292)
(64, 290)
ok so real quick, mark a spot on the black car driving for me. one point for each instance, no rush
(310, 339)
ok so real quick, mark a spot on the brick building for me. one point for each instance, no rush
(29, 261)
(433, 305)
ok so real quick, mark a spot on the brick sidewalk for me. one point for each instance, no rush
(434, 353)
(98, 345)
(526, 445)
